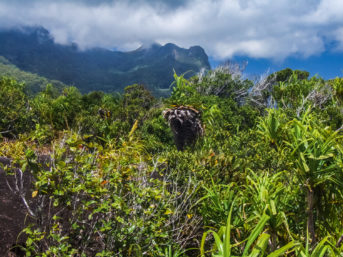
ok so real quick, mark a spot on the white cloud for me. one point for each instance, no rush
(257, 28)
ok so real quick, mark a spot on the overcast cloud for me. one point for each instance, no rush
(256, 28)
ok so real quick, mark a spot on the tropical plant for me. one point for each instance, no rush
(256, 243)
(315, 151)
(272, 127)
(265, 193)
(324, 248)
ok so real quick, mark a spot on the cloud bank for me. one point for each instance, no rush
(225, 28)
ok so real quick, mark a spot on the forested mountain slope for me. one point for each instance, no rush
(34, 50)
(34, 83)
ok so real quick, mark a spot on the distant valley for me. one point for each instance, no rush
(34, 51)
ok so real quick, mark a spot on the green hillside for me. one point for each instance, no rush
(34, 83)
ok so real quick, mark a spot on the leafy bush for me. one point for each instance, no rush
(109, 181)
(14, 108)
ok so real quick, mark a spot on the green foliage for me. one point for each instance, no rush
(183, 92)
(272, 127)
(57, 111)
(324, 248)
(285, 74)
(223, 248)
(117, 200)
(136, 101)
(14, 108)
(315, 150)
(259, 182)
(293, 92)
(337, 85)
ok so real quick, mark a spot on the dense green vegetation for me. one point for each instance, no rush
(33, 82)
(265, 179)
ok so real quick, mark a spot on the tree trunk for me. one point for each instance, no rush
(310, 216)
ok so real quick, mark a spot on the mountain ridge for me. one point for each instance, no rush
(34, 50)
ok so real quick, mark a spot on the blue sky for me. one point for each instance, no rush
(270, 34)
(327, 65)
